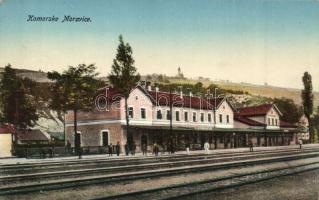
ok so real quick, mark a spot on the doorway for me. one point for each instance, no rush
(105, 138)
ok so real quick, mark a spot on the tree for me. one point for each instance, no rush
(307, 99)
(75, 90)
(291, 112)
(124, 77)
(315, 124)
(18, 107)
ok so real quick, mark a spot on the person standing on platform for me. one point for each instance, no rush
(117, 149)
(144, 149)
(251, 146)
(300, 143)
(133, 148)
(68, 146)
(187, 149)
(127, 150)
(206, 147)
(110, 149)
(156, 149)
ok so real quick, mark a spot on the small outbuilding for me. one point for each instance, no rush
(30, 137)
(6, 140)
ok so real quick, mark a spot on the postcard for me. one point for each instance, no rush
(155, 99)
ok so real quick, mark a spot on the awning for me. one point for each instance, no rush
(216, 130)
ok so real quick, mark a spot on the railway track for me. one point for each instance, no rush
(131, 176)
(52, 163)
(29, 168)
(131, 167)
(189, 190)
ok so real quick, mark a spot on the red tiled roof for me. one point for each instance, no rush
(255, 110)
(287, 124)
(248, 121)
(218, 101)
(163, 99)
(6, 129)
(112, 94)
(31, 135)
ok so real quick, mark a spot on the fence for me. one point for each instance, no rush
(52, 151)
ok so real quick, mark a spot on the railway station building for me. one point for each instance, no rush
(155, 116)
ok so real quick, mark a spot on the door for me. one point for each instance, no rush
(105, 138)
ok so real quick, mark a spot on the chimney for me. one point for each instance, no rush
(143, 84)
(148, 86)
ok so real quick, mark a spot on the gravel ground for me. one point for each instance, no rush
(296, 187)
(131, 186)
(4, 161)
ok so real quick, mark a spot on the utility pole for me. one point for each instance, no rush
(171, 120)
(215, 106)
(215, 96)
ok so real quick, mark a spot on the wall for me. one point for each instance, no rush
(138, 100)
(91, 134)
(182, 123)
(225, 109)
(238, 124)
(5, 145)
(272, 115)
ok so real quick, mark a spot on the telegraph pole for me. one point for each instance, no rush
(171, 120)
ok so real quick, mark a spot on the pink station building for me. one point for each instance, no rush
(195, 120)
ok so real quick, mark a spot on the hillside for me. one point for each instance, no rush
(255, 90)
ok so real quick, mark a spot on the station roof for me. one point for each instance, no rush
(258, 110)
(33, 135)
(248, 121)
(217, 130)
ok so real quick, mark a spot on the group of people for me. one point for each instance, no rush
(117, 149)
(133, 148)
(156, 148)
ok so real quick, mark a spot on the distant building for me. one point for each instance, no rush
(179, 73)
(6, 140)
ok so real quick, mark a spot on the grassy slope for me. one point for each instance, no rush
(258, 90)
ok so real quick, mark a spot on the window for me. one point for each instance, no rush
(143, 113)
(159, 114)
(168, 115)
(268, 121)
(221, 118)
(227, 119)
(202, 117)
(276, 121)
(177, 115)
(209, 117)
(130, 112)
(272, 121)
(186, 116)
(194, 117)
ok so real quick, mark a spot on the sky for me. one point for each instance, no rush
(253, 41)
